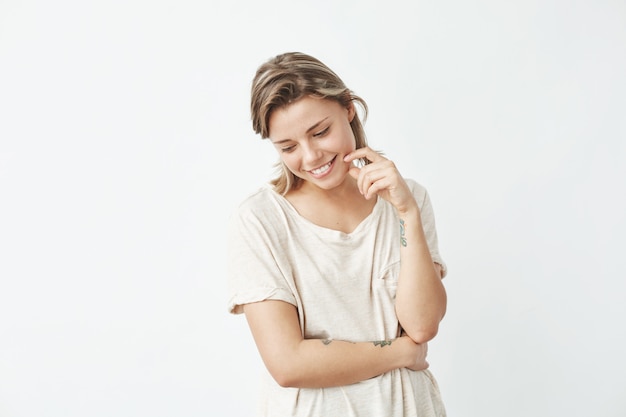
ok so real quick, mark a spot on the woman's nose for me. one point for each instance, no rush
(310, 153)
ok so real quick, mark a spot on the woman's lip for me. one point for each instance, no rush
(328, 164)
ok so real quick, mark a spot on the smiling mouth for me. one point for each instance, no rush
(323, 168)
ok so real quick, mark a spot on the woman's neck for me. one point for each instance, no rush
(341, 208)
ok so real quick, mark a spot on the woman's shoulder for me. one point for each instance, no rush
(259, 195)
(256, 200)
(418, 190)
(262, 204)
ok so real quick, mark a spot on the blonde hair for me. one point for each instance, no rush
(286, 78)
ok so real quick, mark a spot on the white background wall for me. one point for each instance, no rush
(125, 142)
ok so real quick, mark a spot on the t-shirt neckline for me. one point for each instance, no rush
(325, 230)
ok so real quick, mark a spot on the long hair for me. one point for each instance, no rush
(286, 78)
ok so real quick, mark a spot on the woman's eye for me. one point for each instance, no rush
(288, 149)
(321, 133)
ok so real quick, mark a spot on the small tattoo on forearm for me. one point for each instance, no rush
(382, 343)
(326, 341)
(402, 237)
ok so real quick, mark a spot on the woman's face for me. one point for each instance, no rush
(312, 135)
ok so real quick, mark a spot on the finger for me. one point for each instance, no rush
(367, 174)
(373, 187)
(365, 152)
(374, 178)
(354, 173)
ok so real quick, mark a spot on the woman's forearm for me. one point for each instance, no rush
(316, 363)
(421, 298)
(294, 361)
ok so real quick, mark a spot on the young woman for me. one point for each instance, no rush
(335, 263)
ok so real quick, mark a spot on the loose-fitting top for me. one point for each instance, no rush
(343, 286)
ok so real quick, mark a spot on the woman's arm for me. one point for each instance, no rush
(314, 363)
(420, 297)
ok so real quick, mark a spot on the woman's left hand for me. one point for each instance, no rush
(381, 177)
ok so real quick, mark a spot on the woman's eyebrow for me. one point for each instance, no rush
(316, 125)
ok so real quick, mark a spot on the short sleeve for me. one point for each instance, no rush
(254, 273)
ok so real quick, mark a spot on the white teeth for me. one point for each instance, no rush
(321, 170)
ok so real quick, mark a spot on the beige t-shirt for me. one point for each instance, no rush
(343, 286)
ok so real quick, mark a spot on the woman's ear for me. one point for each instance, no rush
(351, 112)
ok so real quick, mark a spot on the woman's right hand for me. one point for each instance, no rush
(421, 351)
(296, 362)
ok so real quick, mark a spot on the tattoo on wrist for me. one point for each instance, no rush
(402, 237)
(382, 343)
(327, 341)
